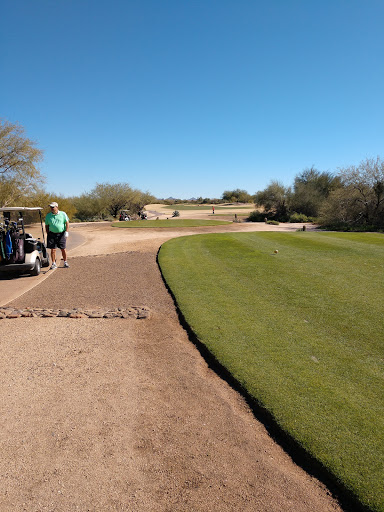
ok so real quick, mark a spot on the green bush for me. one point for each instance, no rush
(301, 217)
(256, 216)
(273, 222)
(342, 226)
(298, 217)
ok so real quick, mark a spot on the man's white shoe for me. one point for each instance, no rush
(66, 264)
(53, 266)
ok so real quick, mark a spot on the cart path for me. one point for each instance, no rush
(125, 415)
(12, 287)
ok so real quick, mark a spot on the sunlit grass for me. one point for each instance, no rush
(302, 329)
(205, 207)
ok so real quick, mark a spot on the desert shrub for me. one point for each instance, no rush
(273, 222)
(298, 217)
(256, 216)
(356, 228)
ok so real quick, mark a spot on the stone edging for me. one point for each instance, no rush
(134, 312)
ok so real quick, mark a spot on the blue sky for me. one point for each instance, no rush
(190, 98)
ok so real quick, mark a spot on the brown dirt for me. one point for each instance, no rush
(125, 415)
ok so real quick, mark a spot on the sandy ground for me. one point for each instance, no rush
(163, 211)
(125, 415)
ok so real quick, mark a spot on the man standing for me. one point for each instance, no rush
(56, 226)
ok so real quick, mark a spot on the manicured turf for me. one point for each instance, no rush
(302, 330)
(168, 223)
(228, 214)
(198, 207)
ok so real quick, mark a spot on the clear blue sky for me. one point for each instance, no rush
(193, 97)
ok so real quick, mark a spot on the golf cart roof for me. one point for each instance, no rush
(20, 209)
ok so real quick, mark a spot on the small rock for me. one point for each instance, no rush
(142, 314)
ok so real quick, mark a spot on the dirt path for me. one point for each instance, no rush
(12, 287)
(125, 415)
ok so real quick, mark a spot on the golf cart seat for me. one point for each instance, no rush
(30, 245)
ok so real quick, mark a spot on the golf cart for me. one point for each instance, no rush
(20, 252)
(124, 215)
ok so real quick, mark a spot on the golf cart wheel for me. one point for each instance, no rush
(36, 269)
(45, 262)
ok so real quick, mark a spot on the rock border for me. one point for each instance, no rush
(134, 312)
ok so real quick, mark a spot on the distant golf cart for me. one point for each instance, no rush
(20, 252)
(124, 215)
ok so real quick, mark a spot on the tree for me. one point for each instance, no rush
(87, 207)
(19, 156)
(275, 200)
(367, 180)
(311, 188)
(339, 209)
(236, 196)
(108, 199)
(361, 200)
(144, 199)
(114, 197)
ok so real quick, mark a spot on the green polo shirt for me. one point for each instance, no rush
(56, 223)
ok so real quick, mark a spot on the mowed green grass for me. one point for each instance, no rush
(229, 214)
(205, 207)
(302, 330)
(168, 223)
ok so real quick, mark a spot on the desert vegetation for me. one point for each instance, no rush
(21, 182)
(351, 199)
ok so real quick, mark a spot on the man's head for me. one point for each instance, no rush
(54, 207)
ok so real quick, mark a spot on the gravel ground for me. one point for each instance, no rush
(124, 414)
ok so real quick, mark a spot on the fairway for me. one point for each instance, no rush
(206, 207)
(168, 223)
(302, 330)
